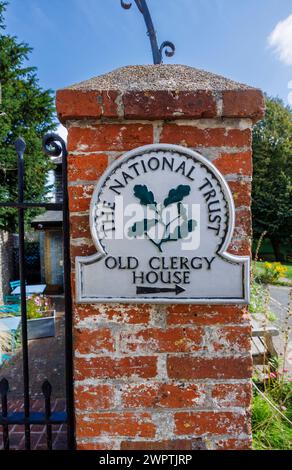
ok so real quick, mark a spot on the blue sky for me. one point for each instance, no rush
(73, 40)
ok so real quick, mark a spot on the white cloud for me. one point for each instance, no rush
(62, 131)
(281, 40)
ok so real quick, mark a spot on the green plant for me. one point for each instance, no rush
(270, 431)
(272, 412)
(272, 179)
(37, 306)
(26, 110)
(259, 298)
(272, 272)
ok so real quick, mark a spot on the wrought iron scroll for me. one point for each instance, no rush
(166, 46)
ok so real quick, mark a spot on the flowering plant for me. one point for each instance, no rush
(272, 272)
(37, 306)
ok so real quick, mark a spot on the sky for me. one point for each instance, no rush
(73, 40)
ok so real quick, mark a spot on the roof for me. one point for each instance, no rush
(48, 219)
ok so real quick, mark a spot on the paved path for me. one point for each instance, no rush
(38, 435)
(46, 361)
(279, 306)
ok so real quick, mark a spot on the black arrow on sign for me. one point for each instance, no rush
(156, 290)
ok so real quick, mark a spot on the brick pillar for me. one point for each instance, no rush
(160, 376)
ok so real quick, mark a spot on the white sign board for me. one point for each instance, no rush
(161, 219)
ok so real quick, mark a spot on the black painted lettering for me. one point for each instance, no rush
(154, 166)
(111, 262)
(153, 262)
(138, 277)
(196, 263)
(166, 162)
(117, 186)
(152, 277)
(189, 173)
(182, 168)
(209, 261)
(208, 183)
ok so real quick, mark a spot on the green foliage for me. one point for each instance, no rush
(37, 306)
(272, 182)
(28, 111)
(162, 223)
(270, 430)
(259, 298)
(272, 272)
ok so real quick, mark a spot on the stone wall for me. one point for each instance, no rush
(160, 376)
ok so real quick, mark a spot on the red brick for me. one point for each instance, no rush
(179, 314)
(163, 395)
(171, 444)
(97, 445)
(115, 424)
(232, 339)
(243, 225)
(103, 137)
(240, 248)
(114, 313)
(241, 191)
(86, 167)
(73, 104)
(210, 422)
(188, 367)
(79, 226)
(234, 163)
(81, 250)
(79, 197)
(190, 136)
(169, 104)
(226, 395)
(244, 103)
(233, 444)
(93, 341)
(162, 340)
(92, 398)
(109, 367)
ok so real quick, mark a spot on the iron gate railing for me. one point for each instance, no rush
(53, 146)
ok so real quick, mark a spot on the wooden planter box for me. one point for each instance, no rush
(41, 327)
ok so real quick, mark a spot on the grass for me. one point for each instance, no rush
(270, 430)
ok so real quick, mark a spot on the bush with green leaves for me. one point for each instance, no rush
(272, 176)
(28, 111)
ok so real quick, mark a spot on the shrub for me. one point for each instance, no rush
(272, 272)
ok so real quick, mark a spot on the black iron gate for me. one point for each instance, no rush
(53, 146)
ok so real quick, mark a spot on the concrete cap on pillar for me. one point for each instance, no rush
(159, 92)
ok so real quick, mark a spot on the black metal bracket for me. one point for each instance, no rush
(167, 47)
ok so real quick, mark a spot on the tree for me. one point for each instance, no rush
(272, 181)
(26, 110)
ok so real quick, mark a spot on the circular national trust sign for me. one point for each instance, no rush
(161, 218)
